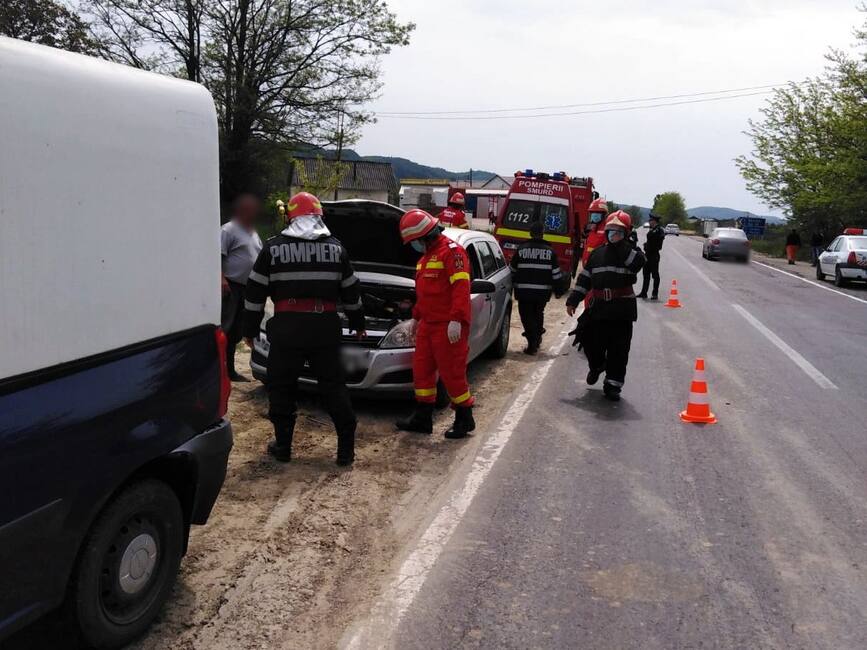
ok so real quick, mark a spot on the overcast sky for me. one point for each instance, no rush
(473, 54)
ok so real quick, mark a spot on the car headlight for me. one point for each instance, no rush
(401, 335)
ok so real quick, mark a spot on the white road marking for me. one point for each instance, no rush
(386, 616)
(696, 270)
(813, 282)
(811, 370)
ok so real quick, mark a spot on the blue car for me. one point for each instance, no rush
(113, 378)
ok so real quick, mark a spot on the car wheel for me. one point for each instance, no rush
(704, 253)
(819, 275)
(500, 347)
(839, 280)
(128, 564)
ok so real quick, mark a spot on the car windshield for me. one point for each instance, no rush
(858, 243)
(520, 215)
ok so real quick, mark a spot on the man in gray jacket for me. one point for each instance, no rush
(240, 246)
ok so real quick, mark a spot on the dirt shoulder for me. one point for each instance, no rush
(293, 553)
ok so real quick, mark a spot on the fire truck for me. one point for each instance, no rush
(558, 201)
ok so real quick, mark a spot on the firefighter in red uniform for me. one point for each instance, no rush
(594, 231)
(454, 215)
(442, 324)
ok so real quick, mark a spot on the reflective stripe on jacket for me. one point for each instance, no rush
(536, 272)
(612, 266)
(442, 283)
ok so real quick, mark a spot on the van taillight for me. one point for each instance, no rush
(225, 384)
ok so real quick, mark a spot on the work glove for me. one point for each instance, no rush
(454, 331)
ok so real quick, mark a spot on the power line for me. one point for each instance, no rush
(570, 113)
(562, 106)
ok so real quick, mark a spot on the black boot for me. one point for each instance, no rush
(464, 423)
(281, 447)
(612, 392)
(346, 447)
(642, 295)
(593, 376)
(421, 420)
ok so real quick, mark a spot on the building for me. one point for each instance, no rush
(357, 179)
(498, 182)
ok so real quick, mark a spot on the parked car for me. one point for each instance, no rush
(845, 259)
(113, 381)
(726, 242)
(382, 363)
(672, 229)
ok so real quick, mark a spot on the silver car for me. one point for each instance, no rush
(726, 242)
(382, 363)
(845, 259)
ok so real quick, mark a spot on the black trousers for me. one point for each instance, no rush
(532, 314)
(285, 363)
(607, 348)
(651, 269)
(231, 314)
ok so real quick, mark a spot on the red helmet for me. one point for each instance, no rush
(416, 224)
(457, 199)
(599, 205)
(303, 204)
(617, 220)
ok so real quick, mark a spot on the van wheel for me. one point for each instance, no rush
(500, 347)
(128, 564)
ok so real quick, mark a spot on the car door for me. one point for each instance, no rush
(828, 259)
(489, 271)
(502, 278)
(480, 303)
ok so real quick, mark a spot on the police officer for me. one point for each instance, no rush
(607, 281)
(652, 249)
(306, 272)
(441, 318)
(535, 274)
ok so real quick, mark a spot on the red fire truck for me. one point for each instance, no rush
(557, 200)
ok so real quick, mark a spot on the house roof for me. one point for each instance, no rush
(355, 175)
(508, 180)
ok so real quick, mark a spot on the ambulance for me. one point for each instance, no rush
(557, 200)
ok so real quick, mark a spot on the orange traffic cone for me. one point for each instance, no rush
(672, 297)
(698, 407)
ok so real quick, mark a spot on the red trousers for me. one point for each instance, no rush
(435, 354)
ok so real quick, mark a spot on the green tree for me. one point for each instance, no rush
(810, 147)
(635, 212)
(46, 22)
(284, 73)
(670, 208)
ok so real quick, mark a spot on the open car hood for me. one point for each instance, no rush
(370, 232)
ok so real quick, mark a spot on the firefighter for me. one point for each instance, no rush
(594, 236)
(535, 274)
(306, 272)
(607, 281)
(652, 249)
(454, 215)
(441, 319)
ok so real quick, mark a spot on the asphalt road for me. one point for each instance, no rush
(617, 526)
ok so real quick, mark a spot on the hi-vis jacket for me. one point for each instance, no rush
(607, 280)
(595, 239)
(453, 218)
(289, 268)
(442, 284)
(536, 272)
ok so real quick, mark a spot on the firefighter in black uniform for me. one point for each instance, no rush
(652, 249)
(306, 272)
(607, 280)
(535, 274)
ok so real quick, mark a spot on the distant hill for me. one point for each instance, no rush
(720, 214)
(405, 168)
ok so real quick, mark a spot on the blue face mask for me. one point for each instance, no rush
(595, 217)
(417, 245)
(614, 236)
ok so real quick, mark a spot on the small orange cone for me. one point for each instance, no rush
(698, 407)
(672, 297)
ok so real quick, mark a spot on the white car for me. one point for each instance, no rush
(672, 229)
(382, 363)
(845, 259)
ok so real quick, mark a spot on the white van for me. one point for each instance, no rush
(113, 385)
